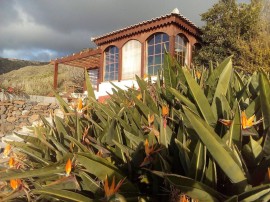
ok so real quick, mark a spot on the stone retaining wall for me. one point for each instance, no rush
(16, 114)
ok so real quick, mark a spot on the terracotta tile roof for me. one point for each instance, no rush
(175, 12)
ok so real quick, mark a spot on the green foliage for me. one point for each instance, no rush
(149, 143)
(236, 29)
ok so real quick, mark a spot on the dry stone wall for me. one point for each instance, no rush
(16, 114)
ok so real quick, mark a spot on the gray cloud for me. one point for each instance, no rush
(57, 28)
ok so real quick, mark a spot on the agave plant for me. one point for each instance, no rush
(188, 134)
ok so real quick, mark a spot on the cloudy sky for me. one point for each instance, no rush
(46, 29)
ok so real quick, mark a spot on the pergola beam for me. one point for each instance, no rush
(88, 59)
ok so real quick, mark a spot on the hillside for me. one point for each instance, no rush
(7, 64)
(38, 80)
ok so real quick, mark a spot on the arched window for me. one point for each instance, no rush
(111, 63)
(131, 59)
(156, 45)
(181, 50)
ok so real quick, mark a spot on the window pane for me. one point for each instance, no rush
(150, 60)
(131, 59)
(181, 50)
(156, 49)
(151, 41)
(150, 50)
(111, 63)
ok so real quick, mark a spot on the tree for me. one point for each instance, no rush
(236, 29)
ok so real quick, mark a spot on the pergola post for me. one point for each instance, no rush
(143, 60)
(55, 75)
(120, 65)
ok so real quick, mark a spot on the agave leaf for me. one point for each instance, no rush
(217, 148)
(57, 144)
(169, 76)
(255, 193)
(198, 162)
(40, 135)
(123, 148)
(102, 168)
(89, 183)
(184, 99)
(226, 108)
(215, 74)
(60, 127)
(253, 107)
(165, 134)
(133, 138)
(183, 156)
(142, 106)
(109, 133)
(211, 174)
(264, 88)
(254, 84)
(65, 107)
(62, 195)
(232, 199)
(192, 188)
(253, 152)
(265, 98)
(12, 195)
(242, 92)
(80, 146)
(78, 128)
(200, 99)
(32, 151)
(234, 134)
(141, 83)
(66, 182)
(45, 171)
(222, 85)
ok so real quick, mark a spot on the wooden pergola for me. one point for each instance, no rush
(90, 59)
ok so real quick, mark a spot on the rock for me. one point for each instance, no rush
(43, 104)
(3, 116)
(33, 118)
(2, 109)
(11, 119)
(9, 127)
(18, 106)
(28, 107)
(25, 112)
(5, 103)
(38, 107)
(22, 124)
(19, 102)
(16, 113)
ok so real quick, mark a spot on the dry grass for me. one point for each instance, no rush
(38, 80)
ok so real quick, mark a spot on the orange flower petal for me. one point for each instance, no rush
(11, 162)
(165, 110)
(15, 183)
(7, 150)
(243, 119)
(80, 104)
(225, 122)
(139, 97)
(250, 121)
(151, 119)
(198, 74)
(68, 167)
(146, 147)
(111, 190)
